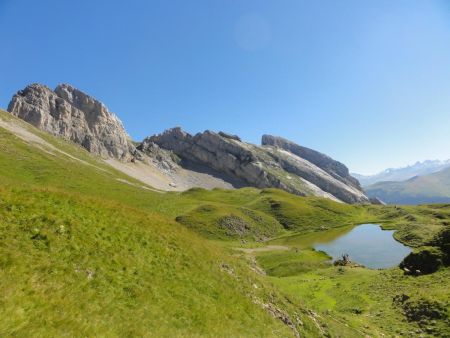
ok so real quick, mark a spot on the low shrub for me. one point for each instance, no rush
(425, 260)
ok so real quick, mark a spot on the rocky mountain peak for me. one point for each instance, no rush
(278, 163)
(82, 101)
(76, 116)
(335, 168)
(296, 169)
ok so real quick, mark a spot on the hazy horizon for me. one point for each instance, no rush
(365, 83)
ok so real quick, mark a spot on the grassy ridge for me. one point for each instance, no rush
(219, 221)
(267, 213)
(416, 225)
(21, 164)
(293, 262)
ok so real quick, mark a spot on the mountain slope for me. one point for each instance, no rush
(209, 159)
(336, 169)
(432, 188)
(402, 174)
(86, 248)
(259, 166)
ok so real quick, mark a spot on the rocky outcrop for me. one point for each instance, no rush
(263, 166)
(68, 112)
(76, 116)
(320, 178)
(163, 159)
(224, 154)
(376, 201)
(336, 169)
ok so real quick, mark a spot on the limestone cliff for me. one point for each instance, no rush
(76, 116)
(206, 159)
(270, 165)
(336, 169)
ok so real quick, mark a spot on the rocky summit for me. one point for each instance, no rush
(277, 163)
(76, 116)
(335, 168)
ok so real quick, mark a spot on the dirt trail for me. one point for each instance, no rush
(264, 248)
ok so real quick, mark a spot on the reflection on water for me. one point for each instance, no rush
(303, 241)
(366, 244)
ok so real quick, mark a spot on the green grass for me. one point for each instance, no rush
(279, 209)
(230, 222)
(303, 214)
(85, 267)
(293, 262)
(364, 300)
(370, 302)
(414, 225)
(84, 254)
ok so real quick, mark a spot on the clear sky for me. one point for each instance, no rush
(366, 82)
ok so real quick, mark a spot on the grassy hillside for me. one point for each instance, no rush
(88, 251)
(84, 267)
(432, 188)
(85, 254)
(273, 211)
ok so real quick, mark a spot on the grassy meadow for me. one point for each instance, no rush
(88, 251)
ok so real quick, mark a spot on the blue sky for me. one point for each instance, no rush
(366, 82)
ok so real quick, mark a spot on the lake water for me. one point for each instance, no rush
(367, 244)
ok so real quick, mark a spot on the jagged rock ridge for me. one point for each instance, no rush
(275, 164)
(76, 116)
(219, 158)
(326, 163)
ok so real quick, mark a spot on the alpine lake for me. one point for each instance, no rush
(365, 244)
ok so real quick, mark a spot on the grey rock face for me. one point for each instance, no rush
(76, 116)
(336, 169)
(164, 159)
(230, 136)
(278, 163)
(376, 201)
(317, 176)
(223, 154)
(261, 167)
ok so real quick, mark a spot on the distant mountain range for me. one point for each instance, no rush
(404, 173)
(431, 188)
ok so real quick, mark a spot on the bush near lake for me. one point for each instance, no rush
(423, 260)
